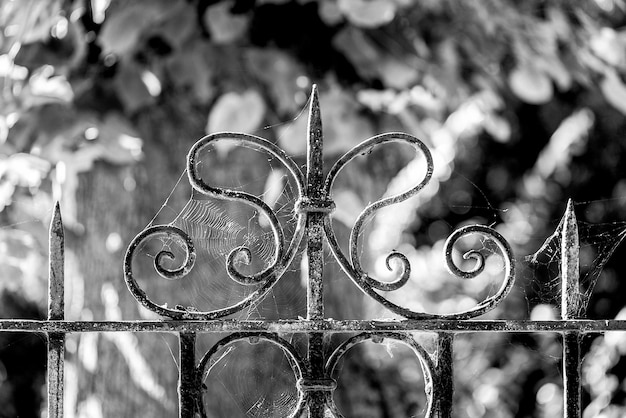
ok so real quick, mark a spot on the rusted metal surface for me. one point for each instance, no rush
(56, 311)
(509, 268)
(570, 309)
(188, 388)
(56, 289)
(445, 375)
(571, 374)
(315, 257)
(353, 268)
(570, 270)
(326, 326)
(315, 375)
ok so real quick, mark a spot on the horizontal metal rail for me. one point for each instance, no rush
(326, 326)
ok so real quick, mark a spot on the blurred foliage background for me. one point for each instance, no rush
(521, 103)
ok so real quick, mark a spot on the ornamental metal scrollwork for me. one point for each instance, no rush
(368, 284)
(298, 365)
(354, 269)
(175, 234)
(281, 258)
(265, 279)
(312, 200)
(506, 253)
(425, 361)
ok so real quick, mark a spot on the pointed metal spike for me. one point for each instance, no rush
(56, 266)
(315, 121)
(56, 306)
(570, 273)
(315, 143)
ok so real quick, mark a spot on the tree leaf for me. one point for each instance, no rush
(179, 26)
(279, 71)
(555, 68)
(614, 91)
(330, 12)
(368, 13)
(31, 19)
(44, 87)
(237, 112)
(372, 61)
(24, 170)
(130, 87)
(121, 30)
(359, 50)
(397, 74)
(531, 85)
(224, 26)
(610, 46)
(190, 68)
(120, 143)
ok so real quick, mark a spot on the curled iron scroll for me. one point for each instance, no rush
(265, 279)
(426, 363)
(368, 284)
(354, 267)
(175, 234)
(506, 253)
(297, 364)
(201, 186)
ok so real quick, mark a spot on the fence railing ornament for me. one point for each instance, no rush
(314, 206)
(314, 371)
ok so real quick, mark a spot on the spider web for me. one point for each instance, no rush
(249, 379)
(217, 227)
(598, 243)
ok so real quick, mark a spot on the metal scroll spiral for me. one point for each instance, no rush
(370, 285)
(244, 253)
(173, 234)
(298, 365)
(265, 279)
(509, 268)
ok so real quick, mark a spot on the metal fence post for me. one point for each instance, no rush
(188, 382)
(444, 381)
(315, 254)
(570, 304)
(56, 307)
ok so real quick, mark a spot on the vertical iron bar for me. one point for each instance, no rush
(56, 305)
(570, 305)
(188, 383)
(444, 385)
(315, 220)
(315, 252)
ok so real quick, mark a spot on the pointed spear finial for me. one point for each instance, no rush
(315, 144)
(570, 273)
(56, 266)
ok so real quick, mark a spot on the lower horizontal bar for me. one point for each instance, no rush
(327, 325)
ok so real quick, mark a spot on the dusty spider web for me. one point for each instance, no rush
(598, 243)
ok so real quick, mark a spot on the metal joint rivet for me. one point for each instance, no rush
(307, 205)
(311, 385)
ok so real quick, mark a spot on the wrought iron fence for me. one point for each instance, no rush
(315, 374)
